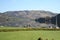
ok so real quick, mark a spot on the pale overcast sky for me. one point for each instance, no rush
(16, 5)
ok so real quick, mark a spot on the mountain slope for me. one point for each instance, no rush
(23, 18)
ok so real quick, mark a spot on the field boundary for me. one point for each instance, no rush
(28, 29)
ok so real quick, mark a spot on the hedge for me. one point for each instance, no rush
(28, 29)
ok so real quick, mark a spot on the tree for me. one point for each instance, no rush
(47, 20)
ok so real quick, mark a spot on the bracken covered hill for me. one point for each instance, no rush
(24, 18)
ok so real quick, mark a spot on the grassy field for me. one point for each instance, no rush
(30, 35)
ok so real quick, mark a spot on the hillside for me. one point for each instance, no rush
(24, 18)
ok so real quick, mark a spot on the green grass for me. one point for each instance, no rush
(30, 35)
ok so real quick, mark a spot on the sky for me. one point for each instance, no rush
(16, 5)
